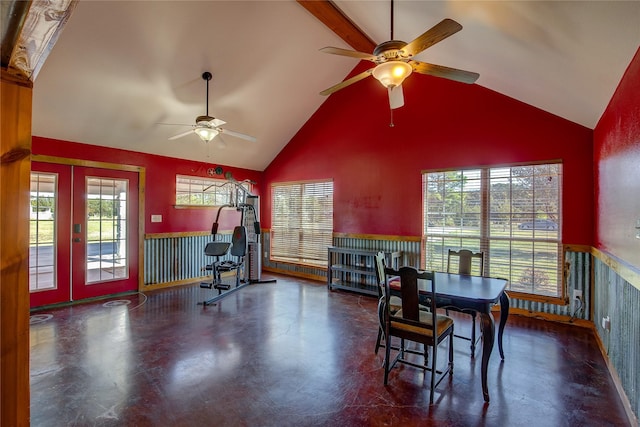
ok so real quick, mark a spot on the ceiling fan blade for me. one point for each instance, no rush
(347, 82)
(396, 97)
(444, 72)
(220, 142)
(237, 134)
(349, 53)
(180, 135)
(435, 34)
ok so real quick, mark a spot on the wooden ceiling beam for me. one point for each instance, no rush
(34, 31)
(330, 15)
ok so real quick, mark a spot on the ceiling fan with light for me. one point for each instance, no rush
(208, 127)
(394, 61)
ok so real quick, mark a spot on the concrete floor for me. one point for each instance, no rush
(292, 353)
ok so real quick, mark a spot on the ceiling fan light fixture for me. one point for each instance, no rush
(392, 73)
(206, 133)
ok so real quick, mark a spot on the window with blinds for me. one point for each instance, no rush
(512, 214)
(197, 191)
(301, 222)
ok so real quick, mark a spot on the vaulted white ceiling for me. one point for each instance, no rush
(120, 68)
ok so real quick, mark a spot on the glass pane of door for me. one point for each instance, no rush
(106, 208)
(49, 234)
(42, 232)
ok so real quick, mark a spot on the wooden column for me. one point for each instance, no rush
(15, 166)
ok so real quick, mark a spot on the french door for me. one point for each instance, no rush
(84, 233)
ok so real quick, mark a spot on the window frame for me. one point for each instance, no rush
(486, 235)
(229, 196)
(322, 234)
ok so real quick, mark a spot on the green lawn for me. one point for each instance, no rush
(98, 229)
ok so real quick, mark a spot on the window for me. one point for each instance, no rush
(512, 214)
(195, 191)
(301, 222)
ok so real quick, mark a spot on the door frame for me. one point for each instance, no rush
(141, 170)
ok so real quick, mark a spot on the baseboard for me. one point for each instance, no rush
(314, 277)
(633, 419)
(189, 281)
(552, 317)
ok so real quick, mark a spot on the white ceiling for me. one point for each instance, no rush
(120, 68)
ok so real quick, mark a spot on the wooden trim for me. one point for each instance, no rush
(377, 237)
(319, 266)
(550, 317)
(164, 285)
(295, 274)
(14, 79)
(183, 282)
(633, 419)
(142, 179)
(628, 272)
(182, 234)
(576, 248)
(538, 298)
(85, 163)
(15, 149)
(196, 206)
(333, 18)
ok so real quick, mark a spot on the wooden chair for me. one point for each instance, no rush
(470, 263)
(394, 300)
(395, 303)
(412, 324)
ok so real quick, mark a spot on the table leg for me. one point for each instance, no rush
(504, 315)
(488, 334)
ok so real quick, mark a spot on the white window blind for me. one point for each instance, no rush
(512, 214)
(301, 222)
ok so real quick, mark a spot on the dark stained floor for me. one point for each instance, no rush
(292, 353)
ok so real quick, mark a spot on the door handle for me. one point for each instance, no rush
(77, 239)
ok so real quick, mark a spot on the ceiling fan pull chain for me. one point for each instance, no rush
(391, 124)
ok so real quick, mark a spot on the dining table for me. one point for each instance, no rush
(476, 293)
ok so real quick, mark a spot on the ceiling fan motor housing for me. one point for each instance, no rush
(391, 50)
(204, 120)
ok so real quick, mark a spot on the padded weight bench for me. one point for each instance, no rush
(218, 249)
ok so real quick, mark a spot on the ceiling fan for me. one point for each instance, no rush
(208, 127)
(394, 61)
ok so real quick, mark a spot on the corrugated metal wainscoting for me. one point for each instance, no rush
(176, 259)
(579, 278)
(620, 300)
(579, 271)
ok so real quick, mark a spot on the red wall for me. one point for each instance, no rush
(160, 194)
(617, 163)
(377, 168)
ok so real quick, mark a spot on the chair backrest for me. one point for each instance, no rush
(239, 241)
(465, 261)
(409, 291)
(380, 276)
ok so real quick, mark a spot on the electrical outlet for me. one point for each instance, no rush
(606, 323)
(577, 294)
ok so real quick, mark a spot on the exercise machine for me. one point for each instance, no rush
(245, 247)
